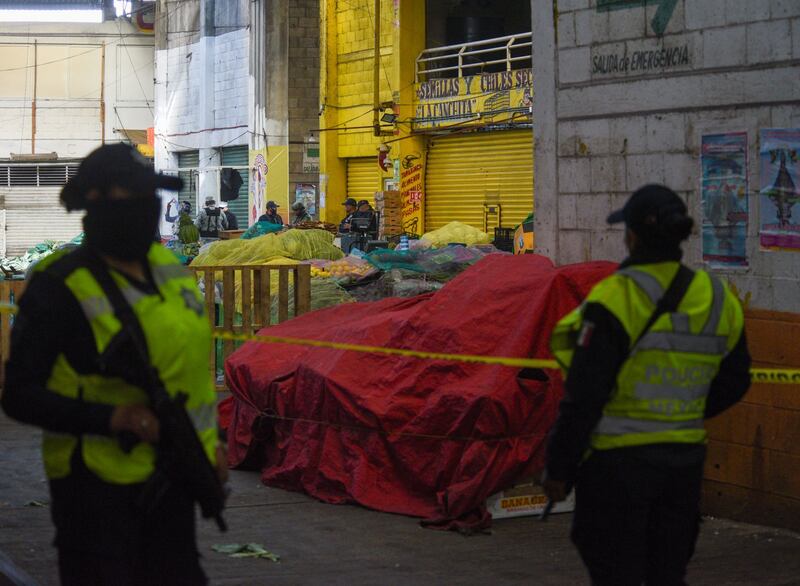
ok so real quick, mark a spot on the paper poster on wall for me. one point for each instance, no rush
(723, 189)
(780, 188)
(258, 186)
(306, 193)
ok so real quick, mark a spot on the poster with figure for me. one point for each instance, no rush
(306, 193)
(780, 189)
(723, 161)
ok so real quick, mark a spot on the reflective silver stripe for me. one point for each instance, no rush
(94, 307)
(132, 294)
(203, 417)
(610, 425)
(717, 301)
(669, 392)
(647, 283)
(164, 273)
(680, 323)
(679, 342)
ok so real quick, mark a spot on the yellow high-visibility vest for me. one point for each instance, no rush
(661, 389)
(178, 338)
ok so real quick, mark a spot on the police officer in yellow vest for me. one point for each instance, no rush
(64, 376)
(630, 432)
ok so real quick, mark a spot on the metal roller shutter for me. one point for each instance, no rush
(466, 171)
(364, 178)
(237, 158)
(35, 214)
(188, 162)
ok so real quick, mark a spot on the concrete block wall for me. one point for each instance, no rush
(231, 63)
(619, 105)
(355, 66)
(304, 97)
(179, 117)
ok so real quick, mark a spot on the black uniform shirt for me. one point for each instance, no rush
(592, 378)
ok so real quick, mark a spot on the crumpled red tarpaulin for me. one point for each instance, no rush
(427, 438)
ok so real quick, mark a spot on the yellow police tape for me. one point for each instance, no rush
(760, 375)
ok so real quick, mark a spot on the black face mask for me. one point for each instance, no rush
(123, 229)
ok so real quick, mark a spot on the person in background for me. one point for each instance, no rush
(271, 215)
(211, 220)
(653, 351)
(72, 372)
(183, 207)
(350, 208)
(300, 214)
(365, 211)
(233, 222)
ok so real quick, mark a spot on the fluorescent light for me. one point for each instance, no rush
(94, 16)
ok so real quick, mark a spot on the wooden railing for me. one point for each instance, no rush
(10, 292)
(247, 290)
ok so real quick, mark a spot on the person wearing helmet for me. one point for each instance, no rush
(300, 213)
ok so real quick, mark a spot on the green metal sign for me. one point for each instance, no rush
(662, 15)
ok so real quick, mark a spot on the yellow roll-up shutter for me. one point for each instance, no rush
(363, 179)
(466, 171)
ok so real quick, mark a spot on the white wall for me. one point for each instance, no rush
(603, 132)
(181, 85)
(68, 76)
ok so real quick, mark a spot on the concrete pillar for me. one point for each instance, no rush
(277, 103)
(545, 130)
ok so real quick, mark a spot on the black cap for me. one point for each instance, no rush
(114, 165)
(272, 205)
(647, 208)
(350, 202)
(363, 202)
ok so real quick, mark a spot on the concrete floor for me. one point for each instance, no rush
(330, 544)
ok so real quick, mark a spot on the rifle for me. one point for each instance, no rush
(180, 457)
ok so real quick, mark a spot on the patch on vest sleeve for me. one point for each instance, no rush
(586, 334)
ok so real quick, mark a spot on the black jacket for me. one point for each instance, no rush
(592, 378)
(233, 223)
(274, 219)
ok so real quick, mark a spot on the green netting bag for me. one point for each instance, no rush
(386, 259)
(324, 293)
(308, 244)
(260, 229)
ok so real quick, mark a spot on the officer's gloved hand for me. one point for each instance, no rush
(136, 419)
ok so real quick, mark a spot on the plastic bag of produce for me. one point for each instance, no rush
(350, 268)
(456, 233)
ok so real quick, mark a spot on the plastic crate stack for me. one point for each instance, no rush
(504, 239)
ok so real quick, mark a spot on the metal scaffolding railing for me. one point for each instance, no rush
(473, 58)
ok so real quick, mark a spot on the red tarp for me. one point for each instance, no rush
(425, 438)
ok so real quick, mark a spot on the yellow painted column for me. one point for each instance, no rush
(332, 169)
(411, 150)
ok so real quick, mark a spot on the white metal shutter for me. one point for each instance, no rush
(35, 214)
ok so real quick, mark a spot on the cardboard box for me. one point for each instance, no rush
(525, 499)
